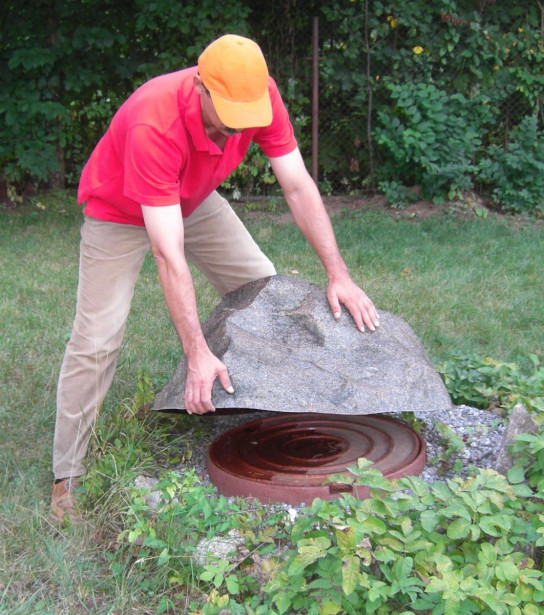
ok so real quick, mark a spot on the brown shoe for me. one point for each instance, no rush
(63, 500)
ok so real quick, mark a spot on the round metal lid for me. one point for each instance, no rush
(286, 458)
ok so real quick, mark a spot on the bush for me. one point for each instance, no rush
(428, 138)
(442, 548)
(66, 66)
(515, 174)
(485, 382)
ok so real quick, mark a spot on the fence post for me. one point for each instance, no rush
(315, 99)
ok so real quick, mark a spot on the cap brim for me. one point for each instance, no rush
(240, 115)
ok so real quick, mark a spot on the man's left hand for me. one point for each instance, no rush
(346, 292)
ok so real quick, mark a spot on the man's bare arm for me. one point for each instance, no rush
(164, 227)
(310, 215)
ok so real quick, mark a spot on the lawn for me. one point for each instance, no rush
(465, 283)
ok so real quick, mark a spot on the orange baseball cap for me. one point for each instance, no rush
(234, 71)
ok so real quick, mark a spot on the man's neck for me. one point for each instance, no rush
(217, 137)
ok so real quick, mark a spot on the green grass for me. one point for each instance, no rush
(471, 285)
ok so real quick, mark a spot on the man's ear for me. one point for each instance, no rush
(199, 86)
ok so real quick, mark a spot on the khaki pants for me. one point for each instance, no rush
(111, 256)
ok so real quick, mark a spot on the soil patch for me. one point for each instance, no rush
(418, 209)
(336, 205)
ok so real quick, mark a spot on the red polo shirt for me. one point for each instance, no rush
(156, 152)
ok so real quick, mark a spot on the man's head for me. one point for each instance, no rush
(233, 70)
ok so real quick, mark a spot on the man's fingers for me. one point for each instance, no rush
(370, 317)
(198, 403)
(358, 304)
(358, 318)
(367, 314)
(198, 388)
(334, 303)
(223, 375)
(336, 310)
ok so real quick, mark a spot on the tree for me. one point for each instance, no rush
(66, 66)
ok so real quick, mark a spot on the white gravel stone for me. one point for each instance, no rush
(218, 546)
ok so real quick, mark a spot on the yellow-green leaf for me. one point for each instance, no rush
(350, 574)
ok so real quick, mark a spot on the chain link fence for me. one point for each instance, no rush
(378, 89)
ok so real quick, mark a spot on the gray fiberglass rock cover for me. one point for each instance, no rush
(285, 352)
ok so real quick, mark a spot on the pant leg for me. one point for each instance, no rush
(111, 256)
(218, 243)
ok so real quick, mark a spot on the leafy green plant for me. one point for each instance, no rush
(515, 174)
(452, 444)
(484, 382)
(253, 177)
(446, 548)
(467, 378)
(428, 138)
(531, 447)
(397, 194)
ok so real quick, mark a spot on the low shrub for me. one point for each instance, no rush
(464, 546)
(515, 174)
(486, 382)
(428, 138)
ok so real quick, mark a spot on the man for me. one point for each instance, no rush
(151, 181)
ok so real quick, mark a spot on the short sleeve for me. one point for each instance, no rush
(278, 139)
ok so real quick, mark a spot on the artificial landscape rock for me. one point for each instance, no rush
(286, 353)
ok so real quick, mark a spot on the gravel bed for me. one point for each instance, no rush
(477, 434)
(481, 432)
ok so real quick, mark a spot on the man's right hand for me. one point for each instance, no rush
(164, 227)
(202, 370)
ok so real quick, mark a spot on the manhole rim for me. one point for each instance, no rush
(305, 489)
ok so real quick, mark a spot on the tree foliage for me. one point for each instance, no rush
(67, 66)
(442, 95)
(435, 85)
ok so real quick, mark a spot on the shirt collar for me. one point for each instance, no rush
(195, 126)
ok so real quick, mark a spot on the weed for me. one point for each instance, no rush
(452, 444)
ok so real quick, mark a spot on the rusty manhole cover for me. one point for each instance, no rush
(287, 458)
